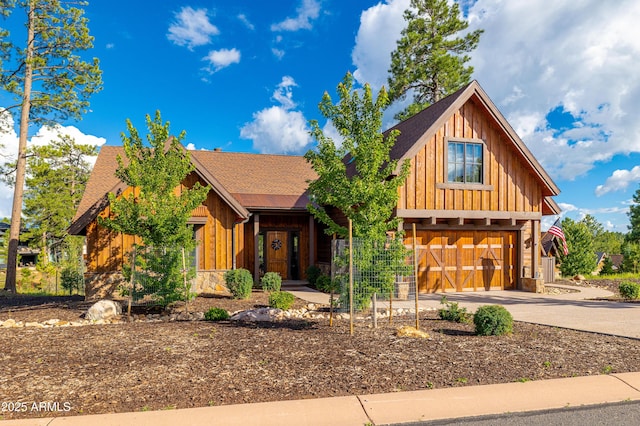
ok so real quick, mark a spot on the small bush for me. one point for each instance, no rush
(451, 311)
(629, 290)
(216, 314)
(313, 272)
(70, 280)
(325, 284)
(493, 320)
(239, 282)
(271, 281)
(281, 300)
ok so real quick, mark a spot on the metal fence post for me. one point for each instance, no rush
(415, 272)
(350, 277)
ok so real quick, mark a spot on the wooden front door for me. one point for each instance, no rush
(277, 251)
(465, 260)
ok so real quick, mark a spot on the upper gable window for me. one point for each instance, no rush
(464, 162)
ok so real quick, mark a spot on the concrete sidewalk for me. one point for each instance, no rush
(578, 311)
(401, 407)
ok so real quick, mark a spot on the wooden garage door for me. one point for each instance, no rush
(465, 260)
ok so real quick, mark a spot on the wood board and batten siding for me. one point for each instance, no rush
(509, 185)
(473, 236)
(213, 222)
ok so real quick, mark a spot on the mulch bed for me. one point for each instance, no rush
(142, 366)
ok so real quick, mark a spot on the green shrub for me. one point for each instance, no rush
(281, 300)
(216, 314)
(70, 280)
(629, 290)
(271, 281)
(452, 312)
(313, 272)
(493, 320)
(239, 282)
(325, 284)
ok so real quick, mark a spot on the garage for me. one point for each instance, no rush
(450, 261)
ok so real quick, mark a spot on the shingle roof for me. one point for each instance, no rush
(260, 180)
(245, 181)
(418, 129)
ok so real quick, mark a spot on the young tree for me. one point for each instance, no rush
(581, 258)
(49, 82)
(357, 178)
(430, 57)
(633, 236)
(158, 208)
(368, 195)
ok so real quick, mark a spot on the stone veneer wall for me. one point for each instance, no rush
(210, 282)
(105, 285)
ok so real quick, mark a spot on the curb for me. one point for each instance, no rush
(380, 409)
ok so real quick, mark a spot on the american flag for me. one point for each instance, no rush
(556, 230)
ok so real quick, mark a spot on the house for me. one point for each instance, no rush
(475, 195)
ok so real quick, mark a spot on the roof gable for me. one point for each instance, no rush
(244, 181)
(417, 130)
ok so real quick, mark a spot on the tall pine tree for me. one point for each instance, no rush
(57, 176)
(430, 59)
(48, 80)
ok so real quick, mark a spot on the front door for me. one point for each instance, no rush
(277, 248)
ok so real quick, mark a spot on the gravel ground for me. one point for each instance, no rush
(142, 366)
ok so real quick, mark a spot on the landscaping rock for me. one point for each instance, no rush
(258, 315)
(103, 310)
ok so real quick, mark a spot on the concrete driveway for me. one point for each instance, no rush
(568, 310)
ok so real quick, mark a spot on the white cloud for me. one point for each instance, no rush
(279, 129)
(308, 11)
(575, 55)
(380, 28)
(222, 58)
(330, 131)
(278, 53)
(619, 181)
(192, 28)
(9, 150)
(243, 18)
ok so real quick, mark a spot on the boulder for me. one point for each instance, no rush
(258, 315)
(103, 310)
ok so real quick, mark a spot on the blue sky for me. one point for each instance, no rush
(247, 76)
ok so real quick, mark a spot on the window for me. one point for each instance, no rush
(196, 254)
(465, 162)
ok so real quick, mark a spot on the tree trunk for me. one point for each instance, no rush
(21, 166)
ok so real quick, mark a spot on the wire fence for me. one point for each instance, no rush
(376, 280)
(158, 276)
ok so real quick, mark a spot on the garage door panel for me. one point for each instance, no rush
(465, 260)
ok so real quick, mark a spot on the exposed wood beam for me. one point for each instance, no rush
(429, 221)
(482, 222)
(467, 214)
(456, 221)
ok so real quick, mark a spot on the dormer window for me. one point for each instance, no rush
(465, 162)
